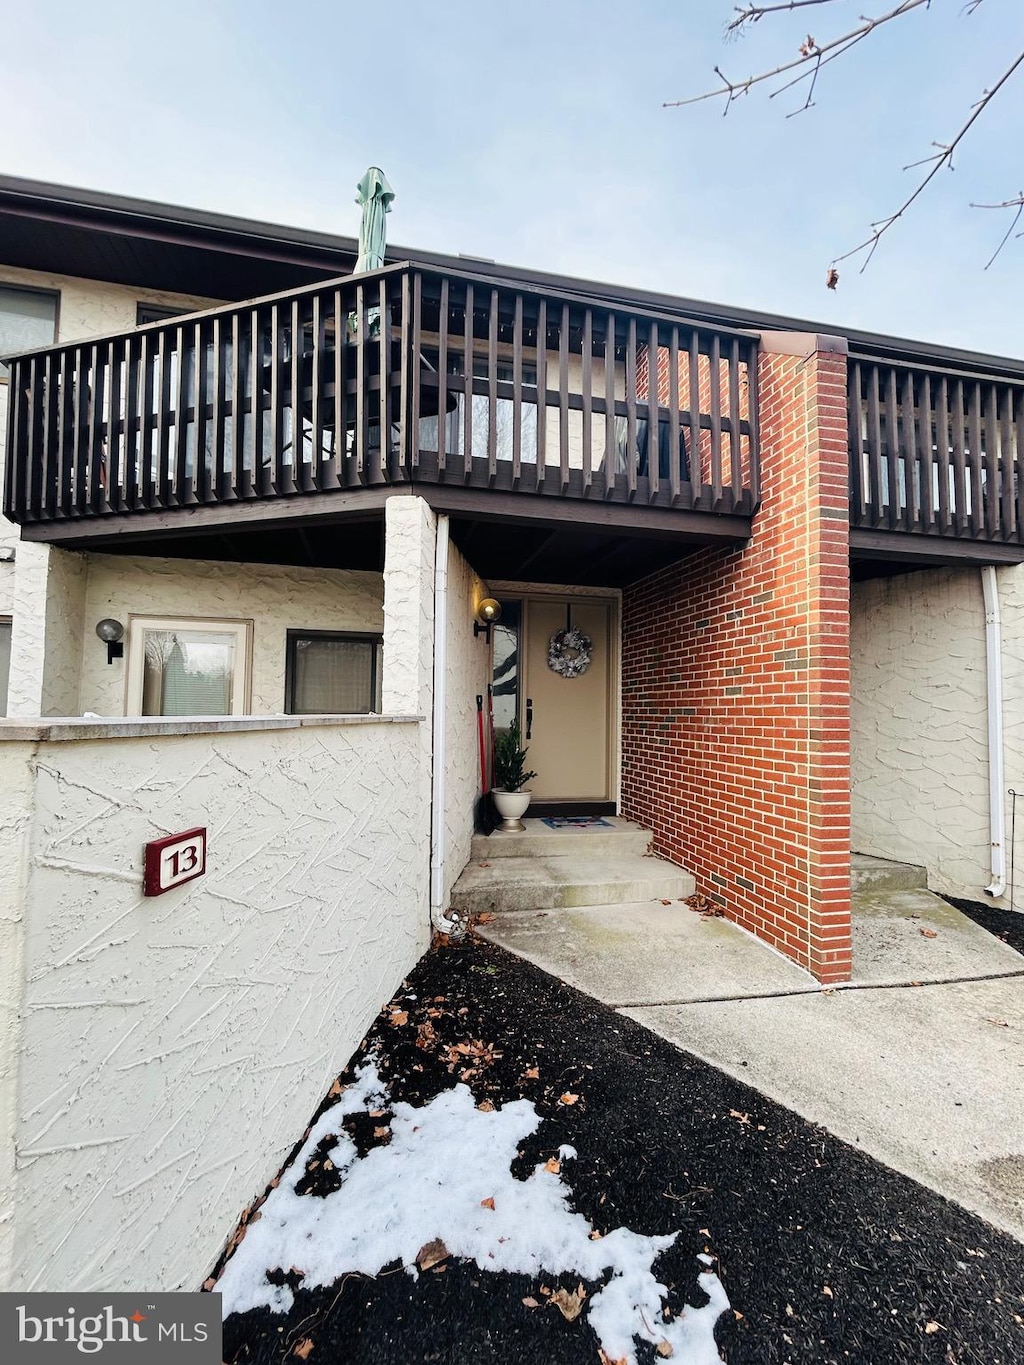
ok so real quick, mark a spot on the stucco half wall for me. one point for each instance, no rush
(158, 1056)
(919, 718)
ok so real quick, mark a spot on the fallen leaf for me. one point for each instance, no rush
(931, 1327)
(376, 1113)
(553, 1165)
(606, 1359)
(531, 1074)
(335, 1090)
(486, 917)
(666, 902)
(302, 1348)
(531, 1302)
(596, 1236)
(737, 1314)
(743, 1118)
(381, 1132)
(398, 1018)
(999, 1023)
(545, 1291)
(928, 933)
(568, 1098)
(487, 1203)
(208, 1285)
(486, 1107)
(433, 1253)
(825, 1290)
(665, 1348)
(569, 1302)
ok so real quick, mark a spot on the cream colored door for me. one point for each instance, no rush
(569, 719)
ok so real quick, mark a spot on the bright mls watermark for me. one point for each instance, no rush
(169, 1329)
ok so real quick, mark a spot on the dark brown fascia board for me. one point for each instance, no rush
(195, 227)
(173, 224)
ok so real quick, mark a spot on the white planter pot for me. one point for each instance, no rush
(511, 807)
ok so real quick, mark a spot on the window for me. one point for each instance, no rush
(332, 673)
(5, 661)
(28, 318)
(187, 667)
(156, 312)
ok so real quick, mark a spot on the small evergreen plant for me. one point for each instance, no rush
(509, 756)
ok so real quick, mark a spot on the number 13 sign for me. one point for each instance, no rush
(172, 861)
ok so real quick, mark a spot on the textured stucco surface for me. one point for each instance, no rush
(15, 819)
(276, 598)
(171, 1048)
(467, 677)
(46, 639)
(410, 530)
(919, 765)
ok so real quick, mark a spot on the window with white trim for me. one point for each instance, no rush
(188, 666)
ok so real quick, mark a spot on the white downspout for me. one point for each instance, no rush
(994, 674)
(437, 804)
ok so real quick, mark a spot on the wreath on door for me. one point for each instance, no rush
(569, 652)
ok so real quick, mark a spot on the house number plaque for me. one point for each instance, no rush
(175, 860)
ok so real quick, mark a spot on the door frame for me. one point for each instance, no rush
(501, 588)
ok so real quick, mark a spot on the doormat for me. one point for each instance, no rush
(575, 821)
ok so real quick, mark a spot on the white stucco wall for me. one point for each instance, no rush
(277, 598)
(46, 640)
(172, 1048)
(467, 673)
(410, 532)
(919, 767)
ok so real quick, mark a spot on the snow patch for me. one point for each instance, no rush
(431, 1182)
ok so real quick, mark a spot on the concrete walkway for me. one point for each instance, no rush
(919, 1060)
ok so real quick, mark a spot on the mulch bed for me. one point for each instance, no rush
(826, 1255)
(1005, 924)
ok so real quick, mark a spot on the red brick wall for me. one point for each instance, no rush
(736, 688)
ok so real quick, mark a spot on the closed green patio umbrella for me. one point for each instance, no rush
(375, 196)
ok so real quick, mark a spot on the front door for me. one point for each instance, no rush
(566, 721)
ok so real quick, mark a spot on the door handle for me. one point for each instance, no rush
(529, 717)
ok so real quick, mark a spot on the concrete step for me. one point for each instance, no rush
(538, 840)
(509, 884)
(878, 874)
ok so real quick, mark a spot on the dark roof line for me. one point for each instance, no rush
(219, 231)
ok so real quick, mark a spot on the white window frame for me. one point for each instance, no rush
(241, 681)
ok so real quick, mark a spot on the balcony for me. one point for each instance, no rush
(484, 396)
(934, 463)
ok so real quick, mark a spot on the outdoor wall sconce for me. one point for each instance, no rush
(111, 632)
(487, 613)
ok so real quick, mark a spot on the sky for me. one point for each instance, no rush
(535, 135)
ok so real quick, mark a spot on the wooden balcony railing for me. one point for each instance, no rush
(404, 374)
(935, 451)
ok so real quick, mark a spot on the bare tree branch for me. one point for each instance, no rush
(813, 56)
(944, 157)
(810, 52)
(1016, 202)
(749, 14)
